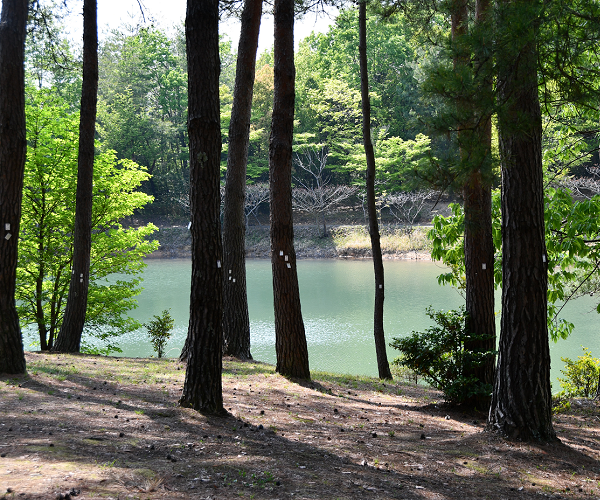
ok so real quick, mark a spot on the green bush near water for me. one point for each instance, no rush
(581, 376)
(439, 355)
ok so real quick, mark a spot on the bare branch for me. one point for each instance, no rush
(256, 195)
(407, 207)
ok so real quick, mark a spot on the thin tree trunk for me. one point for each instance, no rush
(478, 243)
(522, 398)
(13, 147)
(290, 337)
(69, 337)
(236, 321)
(380, 347)
(202, 389)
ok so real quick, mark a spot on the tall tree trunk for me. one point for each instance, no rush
(382, 361)
(13, 147)
(236, 321)
(69, 337)
(479, 244)
(477, 195)
(202, 389)
(290, 338)
(521, 401)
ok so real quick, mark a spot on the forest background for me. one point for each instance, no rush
(143, 102)
(142, 118)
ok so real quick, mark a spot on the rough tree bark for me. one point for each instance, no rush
(477, 195)
(382, 361)
(69, 337)
(290, 337)
(202, 388)
(236, 321)
(479, 244)
(13, 148)
(521, 401)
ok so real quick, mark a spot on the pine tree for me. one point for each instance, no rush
(236, 321)
(13, 147)
(69, 338)
(202, 389)
(380, 348)
(290, 338)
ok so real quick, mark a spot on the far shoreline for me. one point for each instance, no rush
(350, 242)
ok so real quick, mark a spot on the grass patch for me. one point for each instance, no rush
(234, 368)
(394, 239)
(344, 240)
(357, 382)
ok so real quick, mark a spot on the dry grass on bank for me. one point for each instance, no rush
(395, 240)
(101, 427)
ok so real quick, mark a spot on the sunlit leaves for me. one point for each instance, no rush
(47, 225)
(572, 244)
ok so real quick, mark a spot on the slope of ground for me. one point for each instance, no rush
(86, 427)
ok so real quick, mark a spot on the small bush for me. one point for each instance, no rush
(440, 357)
(403, 373)
(160, 330)
(581, 376)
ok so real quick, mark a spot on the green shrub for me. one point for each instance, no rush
(581, 376)
(560, 404)
(403, 373)
(440, 357)
(160, 330)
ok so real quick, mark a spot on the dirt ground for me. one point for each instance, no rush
(95, 427)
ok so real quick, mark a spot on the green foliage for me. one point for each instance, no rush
(47, 225)
(391, 53)
(160, 330)
(49, 57)
(396, 161)
(440, 357)
(572, 246)
(328, 102)
(581, 376)
(560, 404)
(142, 107)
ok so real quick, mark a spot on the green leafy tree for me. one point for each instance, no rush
(49, 56)
(391, 53)
(45, 245)
(397, 160)
(328, 100)
(160, 331)
(260, 122)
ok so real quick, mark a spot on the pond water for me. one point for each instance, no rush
(337, 305)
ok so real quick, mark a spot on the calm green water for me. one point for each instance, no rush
(337, 305)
